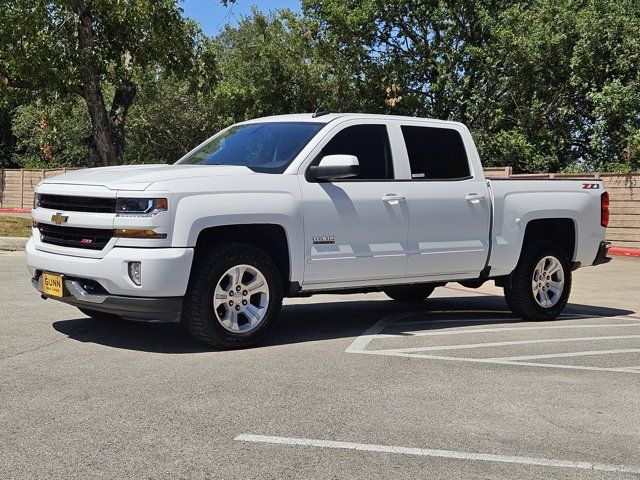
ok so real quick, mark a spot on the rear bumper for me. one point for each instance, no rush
(601, 256)
(159, 309)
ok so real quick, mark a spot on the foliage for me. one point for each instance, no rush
(66, 47)
(544, 85)
(168, 119)
(272, 64)
(52, 134)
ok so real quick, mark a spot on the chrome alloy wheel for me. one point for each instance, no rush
(241, 299)
(547, 283)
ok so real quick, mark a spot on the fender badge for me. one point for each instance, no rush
(321, 240)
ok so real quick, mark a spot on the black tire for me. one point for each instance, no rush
(410, 293)
(519, 291)
(95, 314)
(209, 267)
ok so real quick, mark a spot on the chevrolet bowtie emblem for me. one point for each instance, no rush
(59, 219)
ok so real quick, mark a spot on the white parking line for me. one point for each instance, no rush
(571, 354)
(506, 329)
(427, 452)
(506, 362)
(360, 344)
(504, 344)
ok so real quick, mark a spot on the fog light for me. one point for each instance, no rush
(135, 272)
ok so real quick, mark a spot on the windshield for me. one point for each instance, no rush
(263, 147)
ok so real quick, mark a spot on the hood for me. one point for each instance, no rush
(139, 177)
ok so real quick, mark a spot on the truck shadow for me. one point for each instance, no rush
(311, 322)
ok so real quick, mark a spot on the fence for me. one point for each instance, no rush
(16, 185)
(16, 191)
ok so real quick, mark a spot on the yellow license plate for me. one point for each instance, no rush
(52, 285)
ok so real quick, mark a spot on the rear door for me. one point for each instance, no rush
(356, 229)
(449, 203)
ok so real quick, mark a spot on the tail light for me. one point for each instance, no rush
(604, 209)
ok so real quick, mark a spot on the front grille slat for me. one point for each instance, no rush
(71, 203)
(88, 238)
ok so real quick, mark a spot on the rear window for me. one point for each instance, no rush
(435, 153)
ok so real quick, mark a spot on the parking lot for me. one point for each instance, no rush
(353, 386)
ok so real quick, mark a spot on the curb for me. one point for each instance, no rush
(15, 210)
(625, 252)
(11, 244)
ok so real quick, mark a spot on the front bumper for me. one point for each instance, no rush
(601, 257)
(165, 271)
(148, 309)
(103, 284)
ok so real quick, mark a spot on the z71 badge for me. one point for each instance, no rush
(590, 186)
(324, 240)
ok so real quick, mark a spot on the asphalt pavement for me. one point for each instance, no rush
(354, 386)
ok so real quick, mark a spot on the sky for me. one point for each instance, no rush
(212, 15)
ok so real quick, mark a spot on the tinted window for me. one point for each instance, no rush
(263, 147)
(370, 143)
(435, 153)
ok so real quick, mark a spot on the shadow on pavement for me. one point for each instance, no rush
(312, 322)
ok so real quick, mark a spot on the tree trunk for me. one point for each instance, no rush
(107, 130)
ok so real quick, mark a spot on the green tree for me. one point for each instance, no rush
(545, 85)
(271, 64)
(52, 134)
(169, 118)
(66, 47)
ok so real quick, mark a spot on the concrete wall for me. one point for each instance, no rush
(16, 191)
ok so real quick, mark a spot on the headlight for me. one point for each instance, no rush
(36, 200)
(140, 207)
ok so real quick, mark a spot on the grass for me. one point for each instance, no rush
(14, 226)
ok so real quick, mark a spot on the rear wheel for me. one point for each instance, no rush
(234, 296)
(410, 293)
(541, 283)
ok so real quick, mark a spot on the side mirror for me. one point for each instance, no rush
(333, 167)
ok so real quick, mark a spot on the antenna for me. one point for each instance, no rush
(319, 112)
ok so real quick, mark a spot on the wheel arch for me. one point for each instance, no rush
(561, 231)
(269, 237)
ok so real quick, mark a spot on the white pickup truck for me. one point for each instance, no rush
(301, 204)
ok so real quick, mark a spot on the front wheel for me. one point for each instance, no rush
(410, 293)
(234, 296)
(541, 283)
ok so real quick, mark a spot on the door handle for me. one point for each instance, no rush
(393, 199)
(474, 198)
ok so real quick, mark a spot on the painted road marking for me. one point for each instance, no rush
(572, 354)
(360, 344)
(506, 344)
(428, 452)
(499, 361)
(504, 329)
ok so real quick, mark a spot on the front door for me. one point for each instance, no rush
(356, 229)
